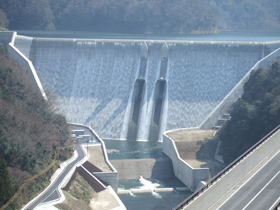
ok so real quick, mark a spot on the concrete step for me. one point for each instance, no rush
(148, 168)
(180, 189)
(216, 127)
(157, 190)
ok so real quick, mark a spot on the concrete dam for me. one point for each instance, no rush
(129, 89)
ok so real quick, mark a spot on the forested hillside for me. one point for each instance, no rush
(30, 132)
(247, 14)
(141, 16)
(254, 115)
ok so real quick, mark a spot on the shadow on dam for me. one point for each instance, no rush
(159, 99)
(94, 81)
(138, 95)
(157, 109)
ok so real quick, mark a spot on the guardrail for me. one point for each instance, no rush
(224, 172)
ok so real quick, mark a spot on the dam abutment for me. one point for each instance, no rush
(11, 40)
(225, 105)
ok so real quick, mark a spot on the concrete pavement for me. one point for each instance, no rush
(260, 191)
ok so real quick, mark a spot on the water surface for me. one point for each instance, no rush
(158, 201)
(151, 201)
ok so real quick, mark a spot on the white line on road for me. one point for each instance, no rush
(261, 190)
(247, 180)
(275, 203)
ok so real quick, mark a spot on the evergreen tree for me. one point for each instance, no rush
(6, 189)
(254, 115)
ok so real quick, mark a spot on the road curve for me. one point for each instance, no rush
(53, 187)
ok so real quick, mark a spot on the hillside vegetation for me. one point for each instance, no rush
(29, 132)
(254, 115)
(247, 14)
(141, 16)
(144, 16)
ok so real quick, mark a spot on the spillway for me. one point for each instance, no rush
(138, 89)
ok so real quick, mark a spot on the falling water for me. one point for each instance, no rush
(95, 82)
(148, 185)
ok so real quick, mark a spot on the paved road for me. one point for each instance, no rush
(261, 191)
(57, 182)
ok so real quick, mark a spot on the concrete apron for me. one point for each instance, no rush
(156, 190)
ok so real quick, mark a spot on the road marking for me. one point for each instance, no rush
(261, 190)
(247, 180)
(34, 200)
(274, 205)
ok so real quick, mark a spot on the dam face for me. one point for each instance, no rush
(136, 89)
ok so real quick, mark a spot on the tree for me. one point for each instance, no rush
(29, 131)
(6, 189)
(255, 114)
(4, 23)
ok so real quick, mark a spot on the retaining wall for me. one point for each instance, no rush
(236, 92)
(147, 168)
(190, 176)
(110, 178)
(93, 182)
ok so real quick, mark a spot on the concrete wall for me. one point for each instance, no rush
(23, 44)
(108, 178)
(184, 172)
(26, 63)
(97, 138)
(93, 182)
(273, 45)
(190, 176)
(232, 177)
(236, 92)
(85, 82)
(147, 168)
(268, 60)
